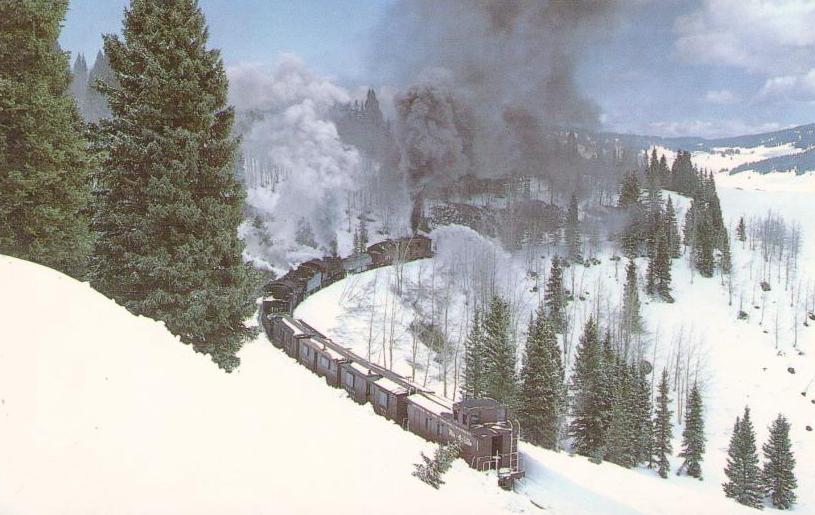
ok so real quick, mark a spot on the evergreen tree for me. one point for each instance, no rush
(704, 246)
(741, 230)
(630, 192)
(671, 230)
(587, 394)
(725, 260)
(79, 82)
(541, 390)
(554, 297)
(779, 478)
(693, 435)
(642, 418)
(433, 469)
(631, 318)
(44, 166)
(621, 440)
(663, 430)
(96, 106)
(662, 268)
(744, 477)
(572, 236)
(689, 226)
(500, 382)
(169, 203)
(474, 362)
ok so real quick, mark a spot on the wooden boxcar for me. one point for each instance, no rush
(357, 380)
(389, 399)
(287, 333)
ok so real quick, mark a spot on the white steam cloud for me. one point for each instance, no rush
(287, 108)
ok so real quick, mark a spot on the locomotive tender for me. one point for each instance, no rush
(489, 436)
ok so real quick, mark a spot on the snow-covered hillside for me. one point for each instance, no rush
(103, 412)
(741, 362)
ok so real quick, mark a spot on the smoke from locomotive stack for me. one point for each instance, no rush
(434, 131)
(512, 63)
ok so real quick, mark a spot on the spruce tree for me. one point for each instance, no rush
(169, 203)
(621, 439)
(572, 236)
(672, 230)
(97, 105)
(744, 477)
(542, 392)
(500, 378)
(554, 297)
(631, 318)
(704, 246)
(741, 230)
(79, 82)
(586, 390)
(630, 192)
(662, 268)
(44, 165)
(474, 362)
(778, 476)
(725, 259)
(663, 430)
(643, 426)
(693, 435)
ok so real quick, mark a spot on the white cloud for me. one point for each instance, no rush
(258, 86)
(709, 128)
(721, 96)
(790, 87)
(770, 38)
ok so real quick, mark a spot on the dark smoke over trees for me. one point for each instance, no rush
(511, 62)
(436, 139)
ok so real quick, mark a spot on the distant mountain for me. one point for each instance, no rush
(800, 140)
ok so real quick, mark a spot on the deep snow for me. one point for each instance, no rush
(740, 364)
(102, 412)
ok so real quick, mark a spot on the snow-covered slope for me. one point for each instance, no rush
(103, 412)
(741, 363)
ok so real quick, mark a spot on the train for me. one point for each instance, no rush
(485, 429)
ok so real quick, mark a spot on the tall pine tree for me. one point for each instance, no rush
(169, 204)
(588, 394)
(44, 165)
(693, 435)
(672, 230)
(741, 230)
(663, 430)
(500, 378)
(542, 393)
(554, 297)
(473, 386)
(744, 477)
(632, 324)
(779, 478)
(572, 234)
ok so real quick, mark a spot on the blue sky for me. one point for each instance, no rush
(672, 67)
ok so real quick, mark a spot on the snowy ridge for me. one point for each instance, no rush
(104, 412)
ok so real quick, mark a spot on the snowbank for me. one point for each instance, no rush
(104, 412)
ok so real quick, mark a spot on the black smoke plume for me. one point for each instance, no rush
(511, 64)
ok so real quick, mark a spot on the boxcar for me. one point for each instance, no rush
(357, 380)
(287, 333)
(390, 399)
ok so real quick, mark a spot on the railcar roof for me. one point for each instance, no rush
(391, 386)
(430, 404)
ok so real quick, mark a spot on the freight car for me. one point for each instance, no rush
(489, 436)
